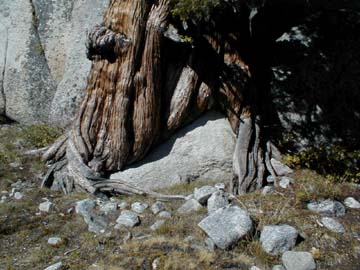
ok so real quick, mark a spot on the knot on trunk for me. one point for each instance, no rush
(103, 43)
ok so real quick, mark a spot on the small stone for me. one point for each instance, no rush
(285, 182)
(157, 225)
(46, 206)
(210, 244)
(54, 241)
(3, 198)
(14, 165)
(18, 196)
(139, 207)
(220, 186)
(280, 168)
(189, 239)
(123, 205)
(164, 214)
(333, 225)
(96, 224)
(189, 206)
(84, 206)
(128, 219)
(227, 225)
(268, 190)
(108, 207)
(217, 200)
(155, 263)
(297, 260)
(278, 267)
(327, 208)
(270, 179)
(254, 268)
(158, 207)
(352, 203)
(55, 266)
(203, 194)
(278, 238)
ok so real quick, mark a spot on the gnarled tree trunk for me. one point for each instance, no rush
(139, 92)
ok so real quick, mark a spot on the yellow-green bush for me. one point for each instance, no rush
(335, 162)
(196, 9)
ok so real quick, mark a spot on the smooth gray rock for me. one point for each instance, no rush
(54, 241)
(157, 207)
(157, 225)
(96, 223)
(46, 206)
(220, 186)
(202, 194)
(139, 207)
(296, 260)
(327, 208)
(280, 168)
(270, 179)
(164, 214)
(128, 219)
(285, 182)
(28, 87)
(55, 266)
(202, 150)
(123, 205)
(268, 190)
(278, 267)
(227, 225)
(18, 195)
(352, 203)
(277, 239)
(73, 72)
(108, 207)
(333, 225)
(189, 206)
(217, 200)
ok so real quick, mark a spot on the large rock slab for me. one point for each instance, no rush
(43, 64)
(202, 150)
(227, 225)
(27, 87)
(327, 208)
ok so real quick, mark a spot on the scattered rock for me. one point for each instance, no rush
(227, 225)
(189, 206)
(123, 205)
(217, 200)
(157, 225)
(155, 263)
(108, 207)
(164, 214)
(96, 224)
(278, 267)
(352, 203)
(189, 239)
(254, 268)
(128, 219)
(14, 165)
(46, 206)
(54, 241)
(327, 207)
(278, 238)
(203, 194)
(297, 260)
(271, 179)
(139, 207)
(285, 182)
(158, 207)
(280, 168)
(220, 186)
(18, 196)
(210, 244)
(55, 266)
(333, 225)
(268, 190)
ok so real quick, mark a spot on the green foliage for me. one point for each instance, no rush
(195, 9)
(335, 162)
(41, 135)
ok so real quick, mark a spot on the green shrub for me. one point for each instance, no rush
(196, 9)
(335, 162)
